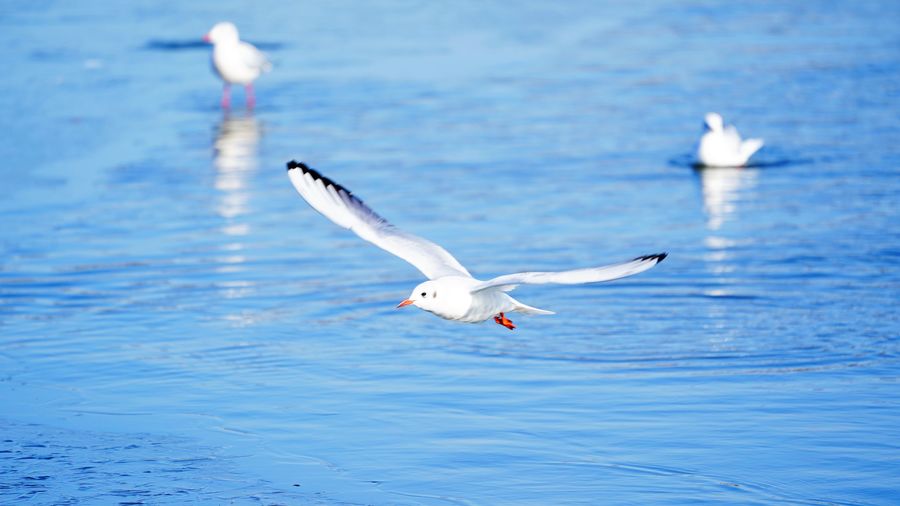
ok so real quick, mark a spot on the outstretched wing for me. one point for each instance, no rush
(343, 208)
(574, 277)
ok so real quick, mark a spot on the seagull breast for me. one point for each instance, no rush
(232, 64)
(452, 297)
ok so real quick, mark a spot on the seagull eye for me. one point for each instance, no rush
(424, 294)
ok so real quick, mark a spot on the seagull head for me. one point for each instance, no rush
(424, 296)
(714, 121)
(222, 32)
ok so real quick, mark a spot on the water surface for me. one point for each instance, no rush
(179, 327)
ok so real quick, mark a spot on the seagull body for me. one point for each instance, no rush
(235, 61)
(459, 298)
(450, 292)
(722, 146)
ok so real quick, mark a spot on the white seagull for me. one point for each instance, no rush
(450, 292)
(721, 146)
(234, 61)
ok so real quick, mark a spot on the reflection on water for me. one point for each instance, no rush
(235, 148)
(722, 190)
(235, 159)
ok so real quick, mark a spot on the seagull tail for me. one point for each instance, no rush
(523, 308)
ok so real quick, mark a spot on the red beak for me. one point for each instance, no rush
(404, 303)
(206, 38)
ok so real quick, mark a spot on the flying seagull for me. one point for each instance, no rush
(234, 61)
(450, 292)
(722, 146)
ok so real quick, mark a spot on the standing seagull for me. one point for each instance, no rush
(721, 146)
(235, 62)
(450, 292)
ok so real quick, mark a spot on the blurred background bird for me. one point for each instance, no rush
(722, 146)
(235, 61)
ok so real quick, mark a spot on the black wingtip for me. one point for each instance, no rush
(293, 164)
(659, 257)
(306, 169)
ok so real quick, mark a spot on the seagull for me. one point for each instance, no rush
(234, 61)
(721, 146)
(450, 292)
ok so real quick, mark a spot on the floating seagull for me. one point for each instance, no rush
(721, 146)
(234, 61)
(451, 292)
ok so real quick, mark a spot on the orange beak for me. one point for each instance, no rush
(404, 303)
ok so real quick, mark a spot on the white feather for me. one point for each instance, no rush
(235, 61)
(573, 277)
(722, 146)
(343, 208)
(451, 292)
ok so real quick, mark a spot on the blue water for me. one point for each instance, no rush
(178, 326)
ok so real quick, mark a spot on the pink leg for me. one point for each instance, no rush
(226, 96)
(251, 98)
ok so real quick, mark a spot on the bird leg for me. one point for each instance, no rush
(251, 98)
(503, 320)
(226, 96)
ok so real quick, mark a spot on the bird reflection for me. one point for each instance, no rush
(235, 159)
(722, 189)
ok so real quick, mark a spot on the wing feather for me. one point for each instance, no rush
(343, 208)
(253, 57)
(573, 277)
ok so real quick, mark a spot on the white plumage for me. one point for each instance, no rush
(722, 146)
(235, 61)
(450, 292)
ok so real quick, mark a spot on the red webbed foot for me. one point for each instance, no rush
(503, 320)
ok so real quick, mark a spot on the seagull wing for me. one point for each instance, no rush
(731, 138)
(347, 211)
(574, 277)
(253, 57)
(750, 146)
